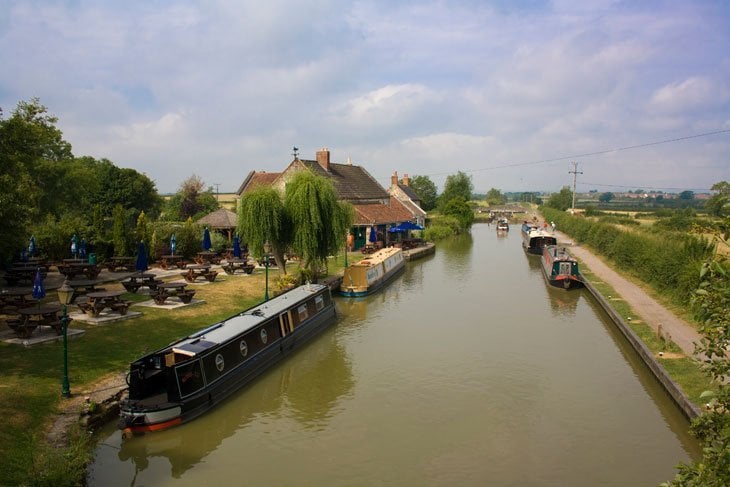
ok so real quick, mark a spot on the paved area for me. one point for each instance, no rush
(652, 312)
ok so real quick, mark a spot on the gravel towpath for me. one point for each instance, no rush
(652, 312)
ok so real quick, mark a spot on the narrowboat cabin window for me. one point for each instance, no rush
(302, 310)
(318, 302)
(220, 363)
(243, 347)
(264, 335)
(189, 378)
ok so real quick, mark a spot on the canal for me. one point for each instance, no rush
(467, 370)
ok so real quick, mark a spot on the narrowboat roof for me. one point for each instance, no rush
(377, 257)
(240, 323)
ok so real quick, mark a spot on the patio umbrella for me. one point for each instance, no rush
(82, 248)
(173, 244)
(74, 249)
(373, 235)
(236, 247)
(31, 246)
(141, 264)
(39, 291)
(206, 239)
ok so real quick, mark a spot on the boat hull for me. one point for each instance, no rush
(142, 413)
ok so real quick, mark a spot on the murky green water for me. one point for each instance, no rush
(467, 370)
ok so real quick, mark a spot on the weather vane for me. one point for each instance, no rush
(296, 150)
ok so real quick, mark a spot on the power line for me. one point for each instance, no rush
(588, 154)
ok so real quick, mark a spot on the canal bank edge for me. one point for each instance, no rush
(688, 408)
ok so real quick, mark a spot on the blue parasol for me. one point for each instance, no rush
(173, 244)
(31, 246)
(74, 249)
(141, 264)
(39, 292)
(206, 240)
(373, 235)
(82, 248)
(236, 246)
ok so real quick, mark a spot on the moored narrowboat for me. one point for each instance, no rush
(190, 376)
(372, 273)
(534, 239)
(503, 225)
(560, 268)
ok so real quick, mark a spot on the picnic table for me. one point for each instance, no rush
(16, 298)
(169, 289)
(194, 271)
(170, 260)
(34, 316)
(96, 302)
(208, 257)
(272, 261)
(83, 286)
(22, 272)
(116, 263)
(140, 279)
(73, 269)
(230, 266)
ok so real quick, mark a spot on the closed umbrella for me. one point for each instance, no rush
(236, 247)
(39, 291)
(74, 248)
(373, 235)
(206, 240)
(173, 244)
(82, 248)
(31, 246)
(141, 264)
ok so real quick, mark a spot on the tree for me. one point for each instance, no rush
(319, 221)
(495, 197)
(717, 205)
(686, 195)
(459, 208)
(457, 185)
(191, 201)
(262, 218)
(711, 302)
(426, 190)
(119, 231)
(562, 200)
(605, 197)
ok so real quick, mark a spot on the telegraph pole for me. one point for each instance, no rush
(574, 172)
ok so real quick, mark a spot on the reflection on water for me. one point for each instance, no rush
(307, 390)
(467, 370)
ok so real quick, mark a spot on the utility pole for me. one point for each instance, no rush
(217, 198)
(574, 172)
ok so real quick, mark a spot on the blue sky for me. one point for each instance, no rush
(491, 88)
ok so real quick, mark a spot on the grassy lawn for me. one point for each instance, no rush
(30, 381)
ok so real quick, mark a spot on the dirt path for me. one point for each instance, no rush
(653, 313)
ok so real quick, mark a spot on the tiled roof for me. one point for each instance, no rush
(409, 192)
(353, 183)
(256, 179)
(379, 214)
(220, 218)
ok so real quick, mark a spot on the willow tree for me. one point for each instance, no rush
(262, 218)
(319, 221)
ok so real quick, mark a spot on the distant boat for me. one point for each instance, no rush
(371, 273)
(503, 225)
(535, 239)
(560, 268)
(188, 377)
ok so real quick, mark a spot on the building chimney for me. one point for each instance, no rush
(405, 179)
(394, 179)
(323, 158)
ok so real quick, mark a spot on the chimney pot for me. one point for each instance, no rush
(405, 179)
(394, 179)
(323, 158)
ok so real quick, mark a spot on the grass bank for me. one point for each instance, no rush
(30, 384)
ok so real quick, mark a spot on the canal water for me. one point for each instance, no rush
(467, 370)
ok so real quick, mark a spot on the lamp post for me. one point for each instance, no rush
(267, 249)
(65, 293)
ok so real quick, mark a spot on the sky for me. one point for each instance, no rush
(510, 92)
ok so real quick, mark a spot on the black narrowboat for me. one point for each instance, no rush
(190, 376)
(560, 268)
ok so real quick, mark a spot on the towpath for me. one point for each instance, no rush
(652, 312)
